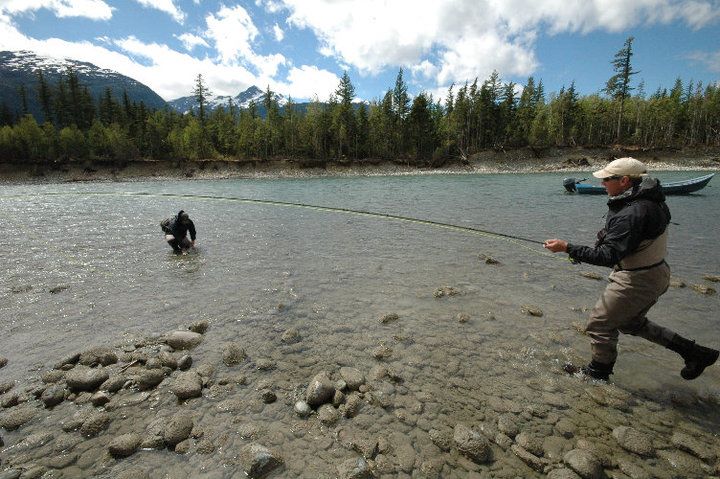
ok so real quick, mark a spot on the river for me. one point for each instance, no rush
(85, 264)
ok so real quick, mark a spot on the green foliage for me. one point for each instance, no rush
(483, 114)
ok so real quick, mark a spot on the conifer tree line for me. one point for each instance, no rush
(422, 130)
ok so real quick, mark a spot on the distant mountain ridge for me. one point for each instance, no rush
(21, 67)
(242, 100)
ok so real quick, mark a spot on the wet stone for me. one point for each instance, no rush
(290, 336)
(99, 399)
(591, 275)
(185, 362)
(585, 464)
(199, 327)
(53, 395)
(95, 423)
(10, 474)
(353, 403)
(354, 469)
(149, 379)
(258, 461)
(471, 444)
(712, 277)
(389, 318)
(233, 354)
(634, 441)
(302, 409)
(183, 447)
(563, 473)
(265, 364)
(687, 443)
(532, 311)
(531, 443)
(98, 356)
(382, 352)
(83, 378)
(529, 458)
(682, 462)
(113, 384)
(10, 399)
(320, 390)
(507, 424)
(6, 386)
(462, 317)
(167, 360)
(703, 289)
(503, 440)
(187, 385)
(338, 398)
(565, 427)
(445, 291)
(178, 429)
(180, 340)
(53, 376)
(268, 396)
(59, 462)
(352, 377)
(328, 415)
(16, 417)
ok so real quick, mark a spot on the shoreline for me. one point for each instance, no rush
(522, 160)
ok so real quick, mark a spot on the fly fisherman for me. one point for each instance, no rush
(633, 243)
(176, 229)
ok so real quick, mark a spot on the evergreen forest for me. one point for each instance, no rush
(423, 130)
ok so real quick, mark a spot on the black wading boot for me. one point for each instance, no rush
(594, 370)
(696, 357)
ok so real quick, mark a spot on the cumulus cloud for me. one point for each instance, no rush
(308, 81)
(167, 6)
(278, 32)
(92, 9)
(457, 40)
(191, 41)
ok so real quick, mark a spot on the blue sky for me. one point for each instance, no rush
(300, 48)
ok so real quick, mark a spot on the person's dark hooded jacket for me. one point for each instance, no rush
(180, 225)
(638, 214)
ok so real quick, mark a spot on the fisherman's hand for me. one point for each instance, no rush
(556, 245)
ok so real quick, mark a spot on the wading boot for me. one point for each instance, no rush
(696, 357)
(594, 370)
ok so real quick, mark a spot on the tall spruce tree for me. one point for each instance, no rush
(618, 86)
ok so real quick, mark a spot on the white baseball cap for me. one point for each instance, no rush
(623, 167)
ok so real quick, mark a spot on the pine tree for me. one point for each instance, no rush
(201, 93)
(44, 97)
(618, 86)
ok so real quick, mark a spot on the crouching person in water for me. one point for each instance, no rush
(176, 229)
(633, 243)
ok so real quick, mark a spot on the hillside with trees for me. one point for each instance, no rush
(475, 116)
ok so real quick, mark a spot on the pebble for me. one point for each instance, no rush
(353, 403)
(302, 409)
(528, 458)
(681, 461)
(149, 379)
(445, 291)
(265, 364)
(16, 417)
(382, 352)
(113, 384)
(585, 464)
(389, 318)
(125, 445)
(233, 354)
(6, 386)
(177, 429)
(591, 275)
(328, 415)
(703, 289)
(441, 439)
(268, 396)
(98, 356)
(52, 376)
(185, 362)
(179, 340)
(167, 360)
(320, 390)
(690, 444)
(3, 361)
(99, 399)
(354, 469)
(532, 311)
(290, 336)
(258, 461)
(353, 378)
(562, 473)
(53, 395)
(471, 444)
(507, 425)
(463, 317)
(634, 441)
(187, 385)
(95, 423)
(199, 327)
(84, 378)
(712, 277)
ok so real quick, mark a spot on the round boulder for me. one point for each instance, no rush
(83, 378)
(183, 339)
(125, 445)
(187, 385)
(177, 429)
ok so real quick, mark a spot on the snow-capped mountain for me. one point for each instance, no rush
(241, 100)
(21, 68)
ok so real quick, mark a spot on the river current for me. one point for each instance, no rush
(85, 264)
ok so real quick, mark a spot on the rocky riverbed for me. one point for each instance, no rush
(190, 404)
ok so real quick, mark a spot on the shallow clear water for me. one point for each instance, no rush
(262, 269)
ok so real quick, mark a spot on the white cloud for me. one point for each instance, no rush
(167, 6)
(233, 32)
(458, 40)
(92, 9)
(308, 81)
(710, 59)
(278, 32)
(191, 41)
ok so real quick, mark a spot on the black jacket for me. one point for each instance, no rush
(638, 214)
(178, 228)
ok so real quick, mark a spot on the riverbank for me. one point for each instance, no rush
(521, 160)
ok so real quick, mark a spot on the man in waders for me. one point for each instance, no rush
(633, 243)
(176, 229)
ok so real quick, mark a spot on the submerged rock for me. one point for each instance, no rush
(16, 417)
(320, 390)
(177, 429)
(233, 354)
(149, 379)
(353, 378)
(712, 277)
(290, 336)
(53, 396)
(328, 415)
(83, 378)
(471, 444)
(199, 327)
(634, 441)
(354, 469)
(532, 311)
(591, 275)
(95, 356)
(3, 362)
(702, 289)
(125, 445)
(302, 409)
(187, 385)
(183, 339)
(389, 318)
(258, 461)
(445, 291)
(585, 464)
(95, 423)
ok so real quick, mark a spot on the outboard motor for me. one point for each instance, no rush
(569, 184)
